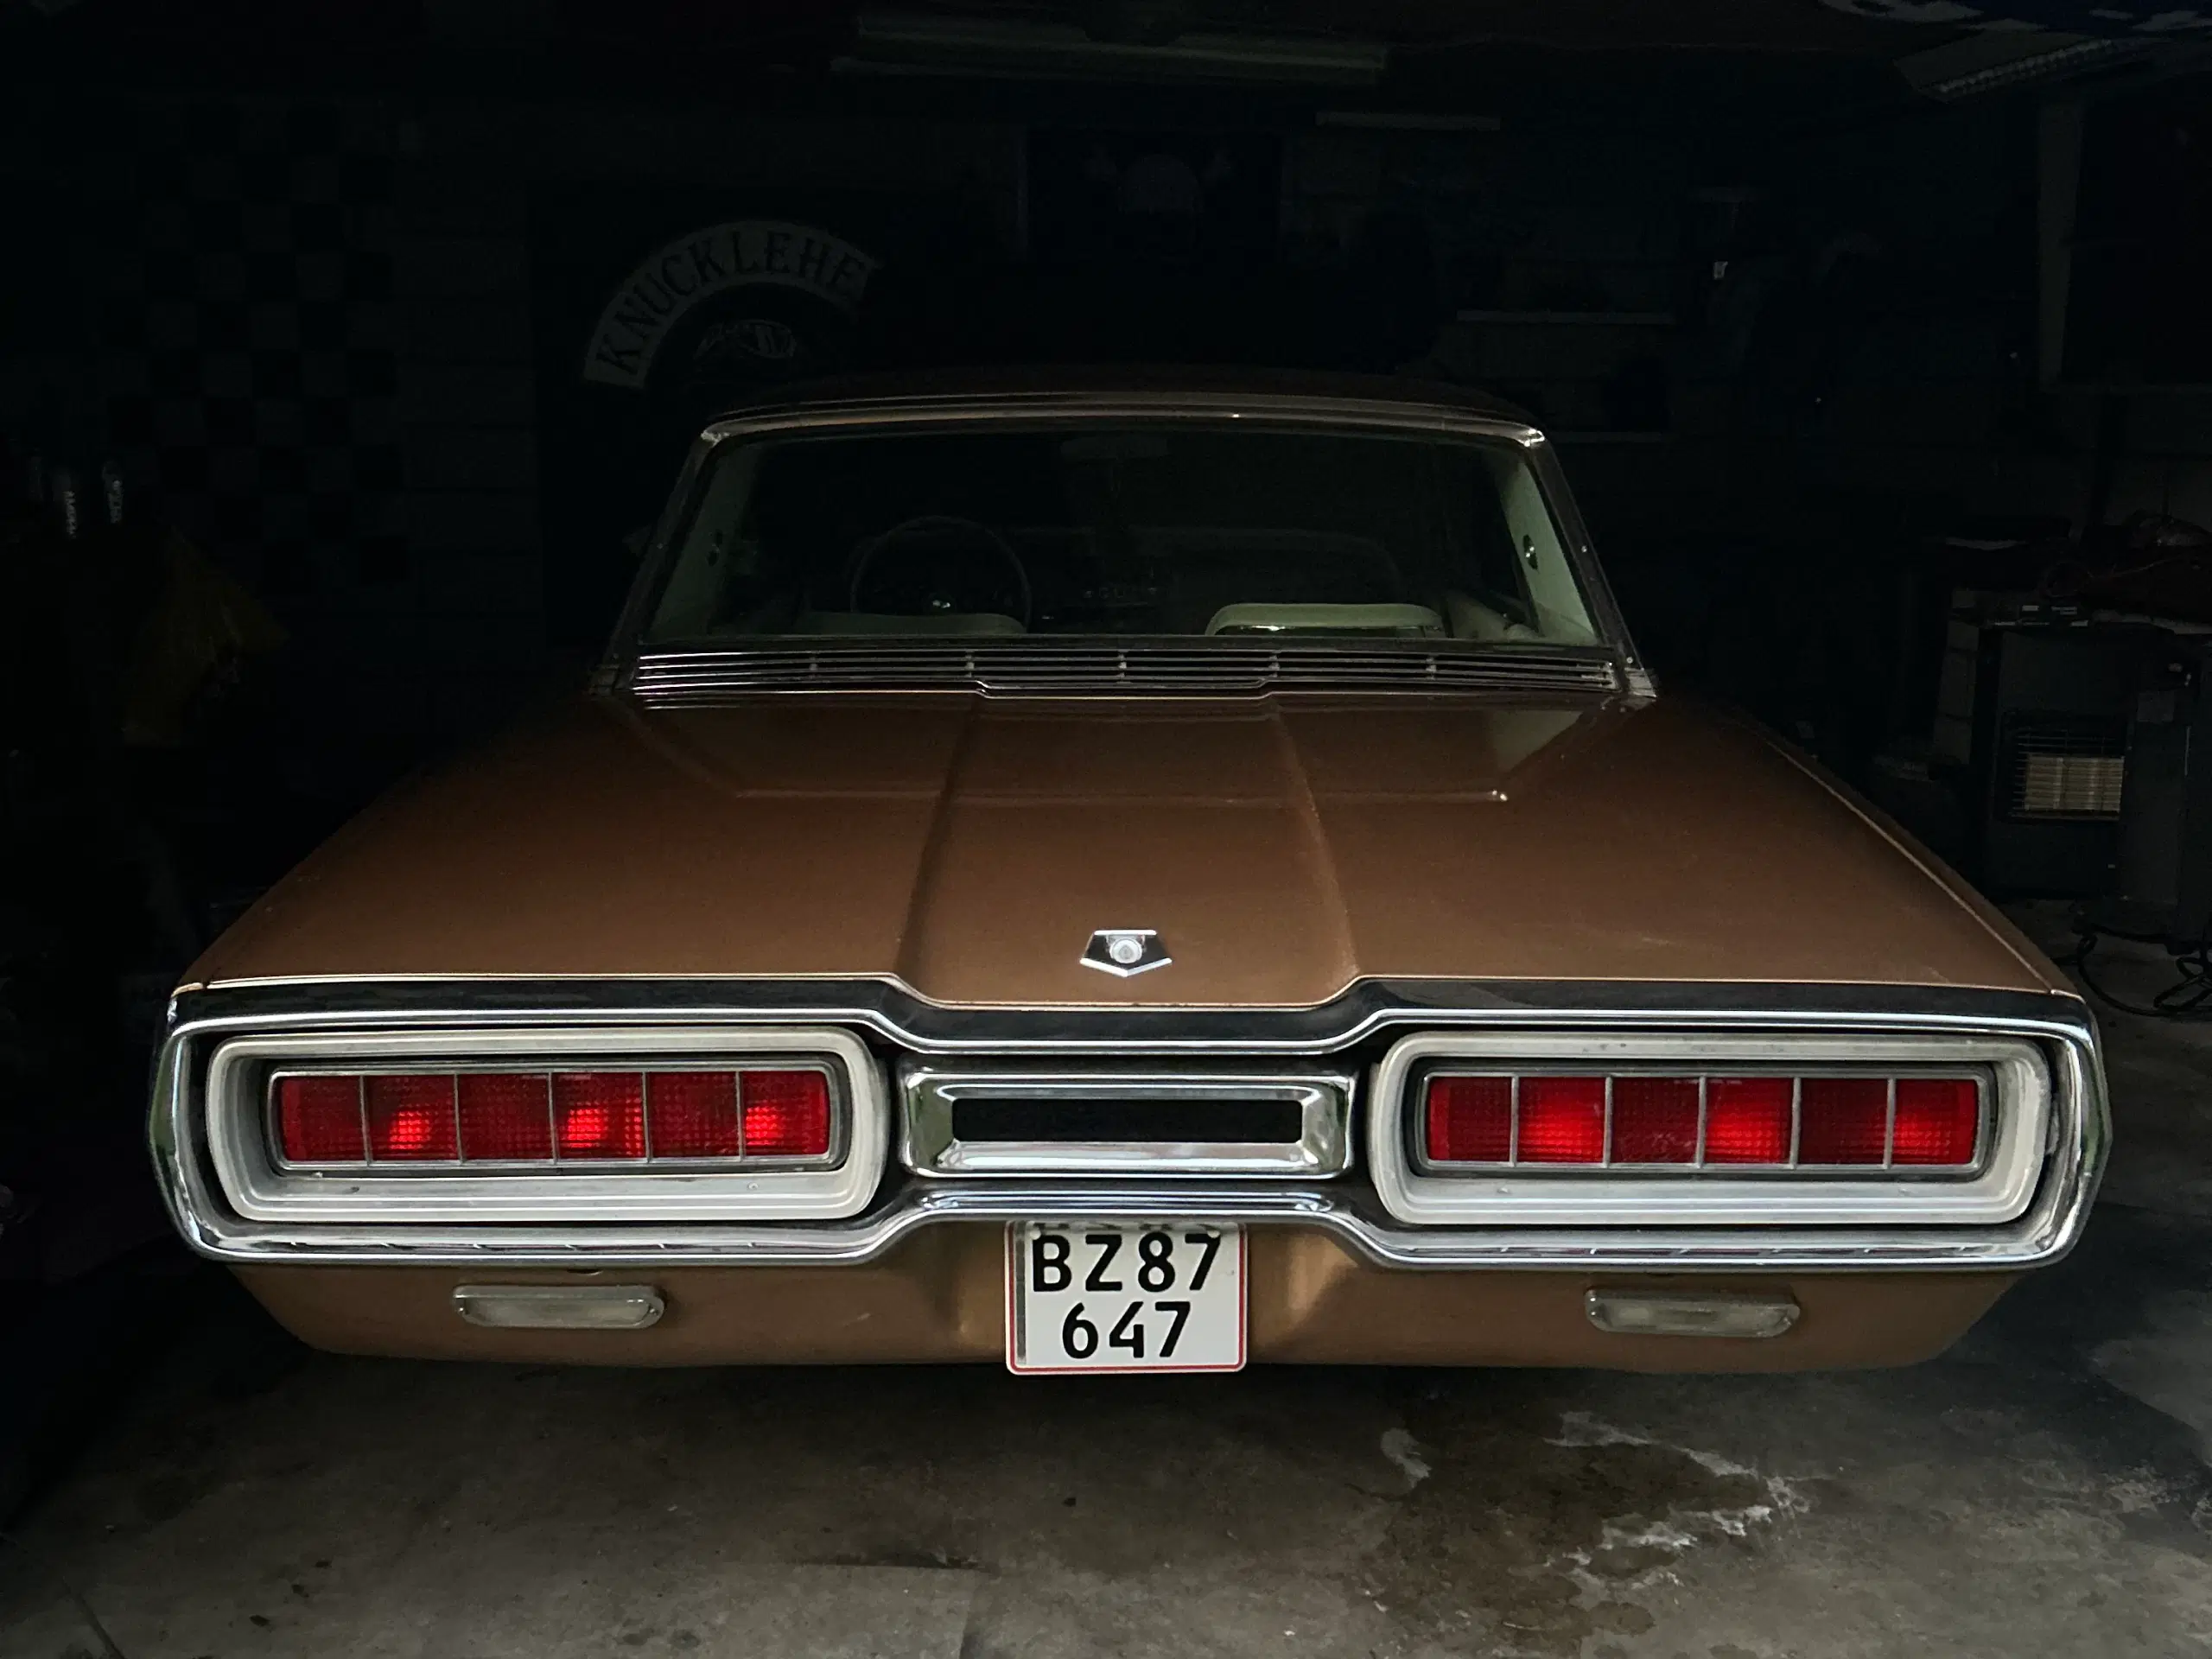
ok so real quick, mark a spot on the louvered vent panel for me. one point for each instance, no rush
(704, 676)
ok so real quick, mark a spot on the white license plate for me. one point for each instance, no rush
(1124, 1296)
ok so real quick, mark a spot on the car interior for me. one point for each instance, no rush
(1172, 529)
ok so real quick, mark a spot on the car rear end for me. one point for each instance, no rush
(1637, 1176)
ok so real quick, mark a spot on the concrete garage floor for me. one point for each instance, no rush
(2041, 1489)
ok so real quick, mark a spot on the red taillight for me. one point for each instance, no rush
(1833, 1125)
(599, 1115)
(1654, 1120)
(1562, 1121)
(552, 1118)
(1747, 1120)
(319, 1119)
(786, 1114)
(1470, 1120)
(505, 1117)
(1845, 1120)
(694, 1114)
(411, 1119)
(1939, 1122)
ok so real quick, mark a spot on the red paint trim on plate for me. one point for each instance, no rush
(1243, 1318)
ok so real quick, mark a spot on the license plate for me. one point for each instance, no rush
(1124, 1296)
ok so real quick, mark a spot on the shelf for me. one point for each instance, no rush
(1574, 318)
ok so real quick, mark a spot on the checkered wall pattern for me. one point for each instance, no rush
(249, 336)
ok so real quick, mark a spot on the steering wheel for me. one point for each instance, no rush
(938, 525)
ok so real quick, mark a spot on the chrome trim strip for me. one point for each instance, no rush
(930, 1148)
(707, 674)
(897, 1014)
(233, 1131)
(2035, 1242)
(1488, 1196)
(2079, 1140)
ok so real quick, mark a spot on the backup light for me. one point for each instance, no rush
(1690, 1313)
(1835, 1124)
(547, 1119)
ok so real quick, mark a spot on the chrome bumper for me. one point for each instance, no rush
(1345, 1209)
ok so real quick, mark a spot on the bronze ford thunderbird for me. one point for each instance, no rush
(1124, 876)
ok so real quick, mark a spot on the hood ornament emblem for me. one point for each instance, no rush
(1125, 952)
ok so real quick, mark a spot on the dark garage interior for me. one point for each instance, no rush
(348, 354)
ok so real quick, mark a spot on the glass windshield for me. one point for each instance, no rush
(1123, 529)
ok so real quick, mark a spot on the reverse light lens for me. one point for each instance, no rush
(1470, 1120)
(319, 1119)
(1747, 1120)
(1562, 1120)
(411, 1119)
(786, 1114)
(600, 1115)
(1939, 1120)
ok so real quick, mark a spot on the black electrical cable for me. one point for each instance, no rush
(2188, 997)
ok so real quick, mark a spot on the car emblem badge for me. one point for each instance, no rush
(1125, 951)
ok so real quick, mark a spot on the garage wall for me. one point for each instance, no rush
(467, 393)
(325, 331)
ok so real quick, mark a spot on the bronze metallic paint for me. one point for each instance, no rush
(1284, 847)
(1288, 848)
(942, 1297)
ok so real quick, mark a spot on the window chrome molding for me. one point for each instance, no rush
(930, 1148)
(1253, 408)
(233, 1128)
(1998, 1189)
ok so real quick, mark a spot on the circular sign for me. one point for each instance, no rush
(735, 298)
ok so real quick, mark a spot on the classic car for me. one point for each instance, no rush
(1128, 872)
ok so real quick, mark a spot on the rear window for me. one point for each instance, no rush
(1126, 529)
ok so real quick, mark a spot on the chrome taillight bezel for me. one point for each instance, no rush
(2017, 1113)
(261, 1186)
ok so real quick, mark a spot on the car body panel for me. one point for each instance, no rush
(1285, 848)
(941, 1297)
